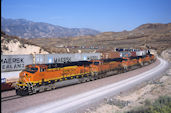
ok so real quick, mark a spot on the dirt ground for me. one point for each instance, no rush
(148, 91)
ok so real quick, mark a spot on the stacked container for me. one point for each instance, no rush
(15, 62)
(125, 54)
(133, 54)
(141, 53)
(61, 58)
(110, 55)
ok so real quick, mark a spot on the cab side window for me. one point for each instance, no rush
(96, 63)
(42, 69)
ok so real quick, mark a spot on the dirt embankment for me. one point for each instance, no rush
(12, 45)
(166, 54)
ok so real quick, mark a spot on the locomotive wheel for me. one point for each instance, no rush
(87, 79)
(120, 70)
(52, 86)
(100, 76)
(150, 62)
(34, 91)
(30, 92)
(91, 78)
(103, 75)
(18, 92)
(82, 80)
(95, 77)
(24, 92)
(142, 64)
(125, 70)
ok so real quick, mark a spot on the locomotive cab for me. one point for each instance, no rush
(35, 68)
(31, 69)
(42, 68)
(27, 74)
(96, 62)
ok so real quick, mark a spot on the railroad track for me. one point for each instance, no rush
(3, 99)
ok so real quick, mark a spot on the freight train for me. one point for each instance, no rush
(41, 77)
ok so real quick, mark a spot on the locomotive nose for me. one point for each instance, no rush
(22, 76)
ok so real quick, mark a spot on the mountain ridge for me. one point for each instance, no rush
(28, 29)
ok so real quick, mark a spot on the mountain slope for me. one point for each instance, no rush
(153, 28)
(28, 29)
(155, 36)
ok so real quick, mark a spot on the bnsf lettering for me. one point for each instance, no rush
(69, 71)
(64, 59)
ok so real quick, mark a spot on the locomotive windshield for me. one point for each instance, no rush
(31, 69)
(96, 63)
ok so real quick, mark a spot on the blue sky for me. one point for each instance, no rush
(102, 15)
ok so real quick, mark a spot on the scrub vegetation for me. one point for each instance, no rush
(160, 105)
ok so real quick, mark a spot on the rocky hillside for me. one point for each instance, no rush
(11, 45)
(28, 29)
(150, 28)
(154, 36)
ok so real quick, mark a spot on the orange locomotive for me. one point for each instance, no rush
(34, 77)
(40, 77)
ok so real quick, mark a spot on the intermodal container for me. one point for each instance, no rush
(125, 54)
(3, 80)
(6, 86)
(110, 55)
(54, 58)
(15, 62)
(61, 58)
(133, 53)
(141, 53)
(87, 56)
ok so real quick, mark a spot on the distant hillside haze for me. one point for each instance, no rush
(29, 29)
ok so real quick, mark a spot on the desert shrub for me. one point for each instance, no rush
(161, 105)
(147, 102)
(140, 109)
